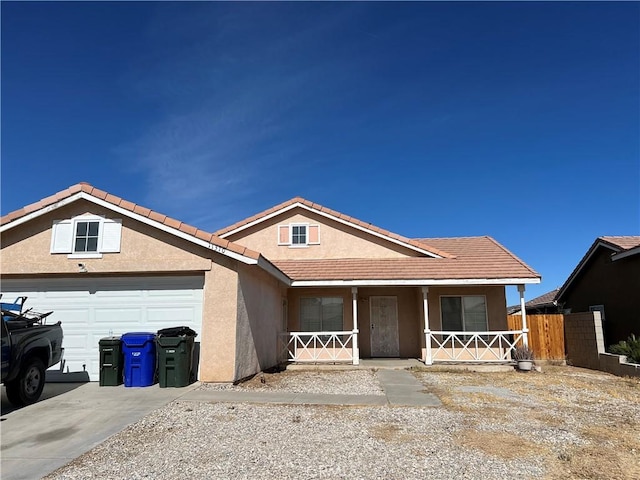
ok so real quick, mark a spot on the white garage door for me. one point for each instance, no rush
(94, 308)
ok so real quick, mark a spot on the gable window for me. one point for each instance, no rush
(464, 313)
(298, 234)
(86, 239)
(86, 236)
(321, 314)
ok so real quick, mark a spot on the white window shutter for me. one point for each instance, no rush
(62, 236)
(111, 235)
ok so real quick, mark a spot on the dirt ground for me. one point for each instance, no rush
(585, 423)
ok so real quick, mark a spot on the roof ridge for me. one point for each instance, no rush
(491, 239)
(327, 211)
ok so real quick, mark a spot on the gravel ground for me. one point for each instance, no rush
(348, 382)
(563, 423)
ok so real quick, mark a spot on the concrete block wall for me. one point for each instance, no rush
(584, 341)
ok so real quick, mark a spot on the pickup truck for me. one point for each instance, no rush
(29, 347)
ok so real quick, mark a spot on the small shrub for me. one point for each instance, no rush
(630, 348)
(522, 353)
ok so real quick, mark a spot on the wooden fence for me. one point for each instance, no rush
(546, 334)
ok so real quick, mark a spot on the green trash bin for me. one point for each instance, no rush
(175, 356)
(111, 362)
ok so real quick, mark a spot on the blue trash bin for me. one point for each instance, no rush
(139, 350)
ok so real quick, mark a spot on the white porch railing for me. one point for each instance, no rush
(495, 346)
(318, 346)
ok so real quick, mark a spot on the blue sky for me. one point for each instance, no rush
(516, 120)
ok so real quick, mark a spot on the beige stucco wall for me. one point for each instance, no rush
(26, 249)
(336, 240)
(259, 321)
(219, 315)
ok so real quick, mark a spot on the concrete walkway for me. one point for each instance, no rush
(401, 388)
(70, 420)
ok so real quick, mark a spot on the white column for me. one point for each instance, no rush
(427, 330)
(523, 311)
(356, 350)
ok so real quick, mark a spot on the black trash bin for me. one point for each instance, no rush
(175, 356)
(111, 361)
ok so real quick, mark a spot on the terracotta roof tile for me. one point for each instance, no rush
(476, 258)
(127, 205)
(101, 194)
(172, 222)
(113, 199)
(158, 217)
(188, 229)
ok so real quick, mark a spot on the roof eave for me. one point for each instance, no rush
(414, 282)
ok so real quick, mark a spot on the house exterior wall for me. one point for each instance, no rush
(614, 284)
(259, 321)
(336, 240)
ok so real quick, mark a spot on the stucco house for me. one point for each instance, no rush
(297, 282)
(607, 280)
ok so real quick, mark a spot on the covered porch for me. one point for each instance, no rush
(390, 322)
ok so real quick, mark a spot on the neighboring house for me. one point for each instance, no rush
(544, 304)
(607, 279)
(298, 282)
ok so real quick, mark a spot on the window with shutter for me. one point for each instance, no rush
(86, 236)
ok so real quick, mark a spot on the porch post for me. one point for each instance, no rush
(523, 311)
(427, 330)
(356, 350)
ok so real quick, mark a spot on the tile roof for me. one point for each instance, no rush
(623, 242)
(476, 258)
(314, 206)
(132, 207)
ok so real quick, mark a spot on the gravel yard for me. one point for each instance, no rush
(562, 423)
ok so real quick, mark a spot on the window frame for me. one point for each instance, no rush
(64, 235)
(86, 237)
(464, 327)
(321, 298)
(306, 235)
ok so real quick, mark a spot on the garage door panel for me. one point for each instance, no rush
(93, 308)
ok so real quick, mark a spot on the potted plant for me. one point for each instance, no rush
(523, 357)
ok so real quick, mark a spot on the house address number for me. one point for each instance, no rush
(217, 248)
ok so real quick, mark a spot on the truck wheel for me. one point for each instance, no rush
(27, 388)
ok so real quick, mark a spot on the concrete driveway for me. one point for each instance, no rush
(70, 419)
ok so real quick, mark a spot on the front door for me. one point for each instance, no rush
(384, 327)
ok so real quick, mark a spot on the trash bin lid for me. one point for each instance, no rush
(133, 339)
(177, 332)
(110, 341)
